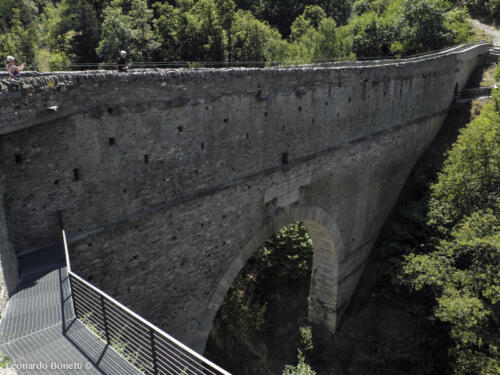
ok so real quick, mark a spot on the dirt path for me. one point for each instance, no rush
(489, 30)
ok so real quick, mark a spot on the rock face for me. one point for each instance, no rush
(168, 181)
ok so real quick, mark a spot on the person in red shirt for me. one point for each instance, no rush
(13, 70)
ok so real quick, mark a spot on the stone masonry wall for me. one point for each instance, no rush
(8, 261)
(164, 178)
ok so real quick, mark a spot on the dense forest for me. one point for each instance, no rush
(458, 265)
(62, 34)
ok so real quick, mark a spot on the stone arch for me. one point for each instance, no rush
(328, 250)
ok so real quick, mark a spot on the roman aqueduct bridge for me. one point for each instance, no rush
(168, 180)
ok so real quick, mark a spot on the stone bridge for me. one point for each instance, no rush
(168, 181)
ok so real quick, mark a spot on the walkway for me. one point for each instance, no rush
(33, 333)
(489, 30)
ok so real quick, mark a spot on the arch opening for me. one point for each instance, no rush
(282, 288)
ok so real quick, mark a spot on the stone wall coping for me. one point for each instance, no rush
(39, 80)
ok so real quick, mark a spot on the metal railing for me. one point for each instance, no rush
(144, 345)
(34, 69)
(474, 92)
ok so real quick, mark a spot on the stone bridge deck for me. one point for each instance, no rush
(34, 335)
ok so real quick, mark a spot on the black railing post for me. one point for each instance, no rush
(105, 319)
(153, 350)
(60, 219)
(72, 291)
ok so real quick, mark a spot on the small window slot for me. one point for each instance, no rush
(284, 158)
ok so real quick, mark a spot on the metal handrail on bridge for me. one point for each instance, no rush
(474, 92)
(144, 345)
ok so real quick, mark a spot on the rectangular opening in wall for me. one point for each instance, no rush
(76, 174)
(18, 158)
(284, 158)
(111, 141)
(146, 158)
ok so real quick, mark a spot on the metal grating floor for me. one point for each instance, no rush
(34, 335)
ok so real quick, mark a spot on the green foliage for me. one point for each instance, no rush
(302, 367)
(470, 179)
(462, 268)
(242, 313)
(307, 338)
(311, 17)
(80, 19)
(497, 73)
(328, 45)
(493, 7)
(372, 35)
(459, 29)
(421, 27)
(55, 29)
(251, 38)
(485, 8)
(464, 274)
(58, 61)
(326, 42)
(288, 31)
(118, 343)
(203, 36)
(18, 36)
(285, 257)
(399, 28)
(4, 360)
(127, 26)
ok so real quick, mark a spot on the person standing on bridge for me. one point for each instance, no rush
(13, 70)
(121, 63)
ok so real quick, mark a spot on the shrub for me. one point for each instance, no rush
(462, 269)
(302, 368)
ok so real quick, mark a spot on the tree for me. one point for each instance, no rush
(167, 26)
(421, 27)
(339, 10)
(372, 35)
(251, 37)
(144, 40)
(470, 179)
(459, 29)
(225, 14)
(461, 270)
(282, 13)
(80, 17)
(311, 17)
(464, 275)
(19, 39)
(328, 45)
(202, 37)
(127, 26)
(116, 34)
